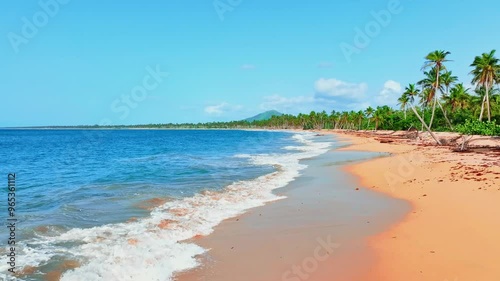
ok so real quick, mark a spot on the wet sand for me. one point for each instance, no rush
(318, 233)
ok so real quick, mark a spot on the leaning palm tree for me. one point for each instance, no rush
(485, 74)
(411, 91)
(436, 60)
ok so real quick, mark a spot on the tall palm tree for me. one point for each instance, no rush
(369, 113)
(403, 102)
(436, 60)
(359, 118)
(378, 117)
(485, 74)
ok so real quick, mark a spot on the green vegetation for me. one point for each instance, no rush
(476, 127)
(437, 102)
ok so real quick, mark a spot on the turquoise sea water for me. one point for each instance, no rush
(78, 189)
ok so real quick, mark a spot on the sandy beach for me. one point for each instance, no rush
(452, 232)
(422, 213)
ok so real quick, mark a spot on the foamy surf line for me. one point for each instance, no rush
(154, 248)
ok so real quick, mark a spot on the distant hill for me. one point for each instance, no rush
(264, 116)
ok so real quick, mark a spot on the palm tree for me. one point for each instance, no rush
(485, 74)
(411, 91)
(369, 113)
(458, 98)
(436, 60)
(322, 118)
(428, 84)
(378, 117)
(313, 119)
(495, 102)
(403, 102)
(448, 80)
(359, 116)
(430, 94)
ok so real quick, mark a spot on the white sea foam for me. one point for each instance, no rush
(152, 248)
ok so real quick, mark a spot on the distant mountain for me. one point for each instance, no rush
(264, 116)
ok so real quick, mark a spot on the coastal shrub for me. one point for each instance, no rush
(476, 127)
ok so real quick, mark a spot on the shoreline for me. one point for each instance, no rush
(449, 233)
(278, 241)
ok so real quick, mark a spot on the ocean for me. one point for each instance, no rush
(122, 203)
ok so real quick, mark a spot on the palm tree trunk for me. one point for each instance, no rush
(433, 111)
(423, 115)
(482, 109)
(488, 102)
(445, 117)
(435, 96)
(425, 125)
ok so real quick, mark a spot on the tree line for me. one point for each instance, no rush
(437, 102)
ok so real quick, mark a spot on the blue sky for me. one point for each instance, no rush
(69, 62)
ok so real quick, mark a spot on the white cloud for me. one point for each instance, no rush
(248, 66)
(220, 109)
(331, 88)
(389, 93)
(286, 104)
(392, 85)
(334, 94)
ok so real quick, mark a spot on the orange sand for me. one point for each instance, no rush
(454, 230)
